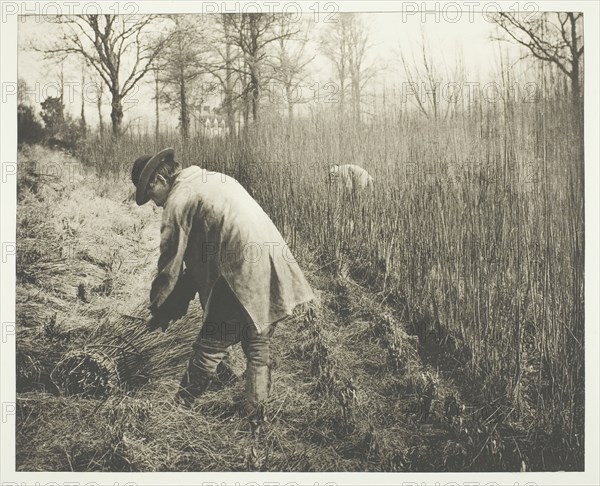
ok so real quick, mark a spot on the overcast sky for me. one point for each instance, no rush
(390, 32)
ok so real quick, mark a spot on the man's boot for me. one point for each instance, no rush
(194, 383)
(258, 382)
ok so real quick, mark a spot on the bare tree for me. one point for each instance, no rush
(82, 122)
(157, 93)
(117, 47)
(425, 80)
(290, 61)
(555, 37)
(99, 84)
(182, 65)
(223, 55)
(252, 33)
(347, 44)
(335, 46)
(360, 72)
(228, 81)
(23, 92)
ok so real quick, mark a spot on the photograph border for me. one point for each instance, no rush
(8, 154)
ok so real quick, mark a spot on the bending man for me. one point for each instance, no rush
(234, 257)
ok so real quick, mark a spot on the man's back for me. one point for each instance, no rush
(229, 235)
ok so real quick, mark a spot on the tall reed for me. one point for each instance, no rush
(477, 220)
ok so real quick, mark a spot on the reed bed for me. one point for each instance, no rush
(476, 223)
(473, 241)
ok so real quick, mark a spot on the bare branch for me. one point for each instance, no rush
(103, 41)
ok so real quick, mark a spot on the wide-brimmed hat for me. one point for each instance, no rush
(142, 171)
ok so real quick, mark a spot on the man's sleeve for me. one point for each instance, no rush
(174, 233)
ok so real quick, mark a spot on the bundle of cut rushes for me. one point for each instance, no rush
(120, 354)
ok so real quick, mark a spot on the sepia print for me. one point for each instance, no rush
(302, 240)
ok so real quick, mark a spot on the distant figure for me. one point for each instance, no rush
(349, 183)
(352, 179)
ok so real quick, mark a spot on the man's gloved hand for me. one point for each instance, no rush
(176, 305)
(154, 323)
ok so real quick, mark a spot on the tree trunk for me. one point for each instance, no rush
(575, 84)
(576, 96)
(230, 116)
(116, 113)
(156, 102)
(246, 115)
(255, 94)
(246, 101)
(184, 115)
(356, 98)
(254, 79)
(290, 105)
(185, 119)
(82, 122)
(99, 107)
(342, 96)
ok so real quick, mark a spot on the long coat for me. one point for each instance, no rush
(217, 229)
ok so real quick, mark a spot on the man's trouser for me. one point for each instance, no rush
(227, 323)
